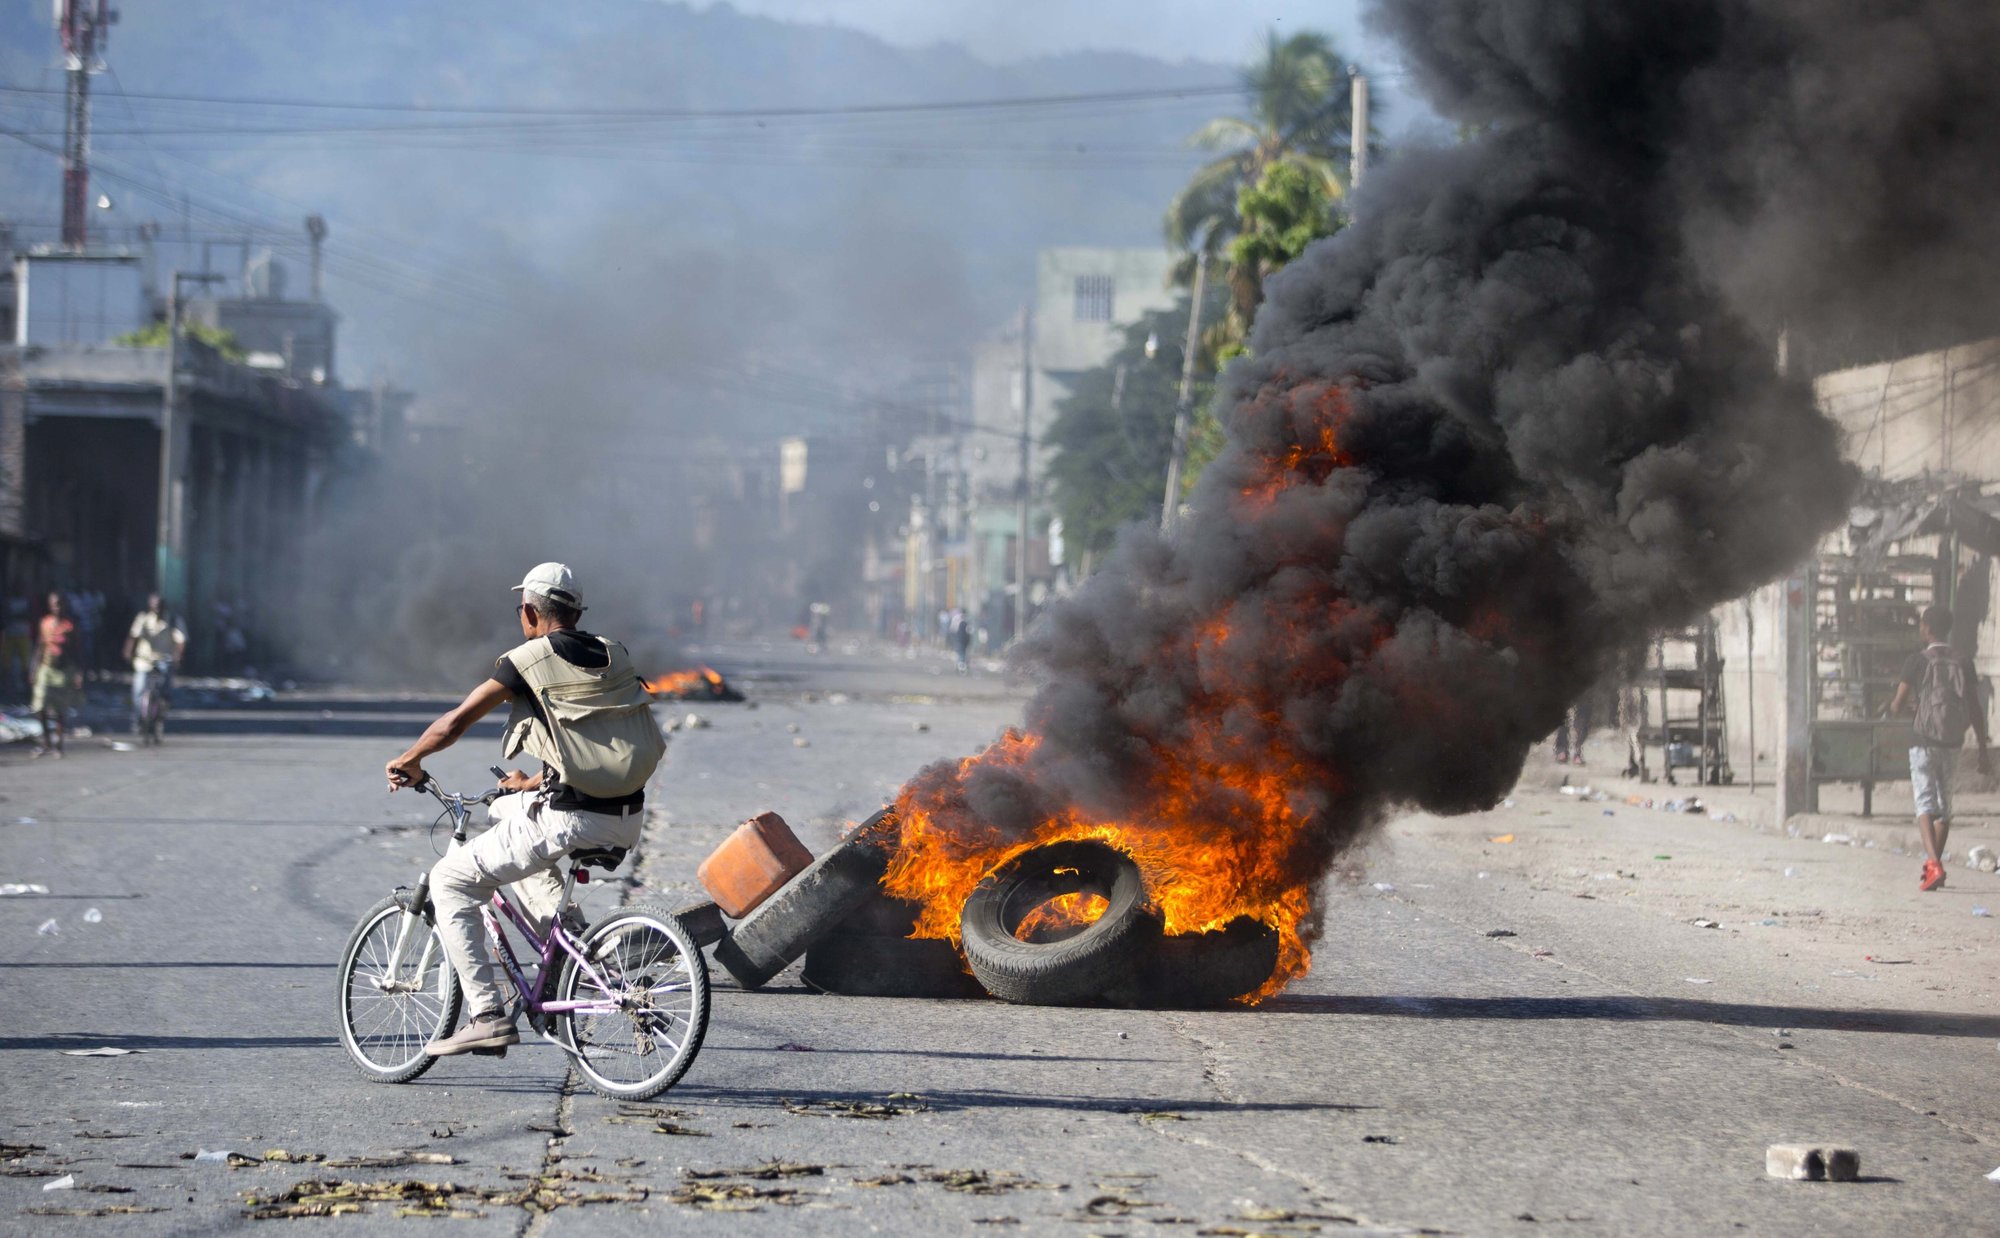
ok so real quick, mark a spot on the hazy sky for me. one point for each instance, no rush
(1224, 31)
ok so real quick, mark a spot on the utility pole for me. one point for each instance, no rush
(170, 538)
(1177, 459)
(1357, 147)
(1027, 432)
(1796, 670)
(84, 27)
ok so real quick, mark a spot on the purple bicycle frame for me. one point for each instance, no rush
(558, 936)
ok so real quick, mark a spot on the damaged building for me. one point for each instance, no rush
(241, 417)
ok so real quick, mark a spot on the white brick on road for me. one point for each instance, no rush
(1424, 1074)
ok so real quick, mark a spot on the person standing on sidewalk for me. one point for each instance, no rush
(1937, 686)
(580, 710)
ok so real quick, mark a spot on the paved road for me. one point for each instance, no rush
(1572, 1078)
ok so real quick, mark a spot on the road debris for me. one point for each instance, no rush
(738, 1196)
(1804, 1162)
(49, 928)
(769, 1171)
(1698, 980)
(100, 1051)
(391, 1160)
(865, 1110)
(1501, 838)
(101, 1210)
(63, 1183)
(1981, 911)
(1981, 858)
(13, 888)
(1501, 933)
(1705, 923)
(93, 916)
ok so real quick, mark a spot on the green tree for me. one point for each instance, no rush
(154, 335)
(1112, 433)
(1300, 112)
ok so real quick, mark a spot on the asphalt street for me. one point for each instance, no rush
(1497, 1037)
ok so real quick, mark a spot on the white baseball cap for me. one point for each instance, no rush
(553, 581)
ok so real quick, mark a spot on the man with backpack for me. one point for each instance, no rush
(1938, 687)
(578, 708)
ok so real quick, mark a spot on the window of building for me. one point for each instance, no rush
(1093, 298)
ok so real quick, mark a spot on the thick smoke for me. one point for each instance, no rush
(1520, 414)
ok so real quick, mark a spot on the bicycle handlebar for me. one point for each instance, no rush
(449, 798)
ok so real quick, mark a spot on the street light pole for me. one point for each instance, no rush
(1021, 511)
(170, 540)
(1177, 460)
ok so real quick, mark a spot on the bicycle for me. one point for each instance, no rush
(153, 699)
(631, 988)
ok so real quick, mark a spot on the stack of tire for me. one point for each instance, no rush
(855, 938)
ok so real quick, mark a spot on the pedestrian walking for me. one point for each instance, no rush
(959, 632)
(153, 644)
(1937, 688)
(57, 688)
(578, 708)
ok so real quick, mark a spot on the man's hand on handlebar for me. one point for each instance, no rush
(405, 773)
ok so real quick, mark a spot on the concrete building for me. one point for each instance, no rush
(1922, 430)
(1084, 299)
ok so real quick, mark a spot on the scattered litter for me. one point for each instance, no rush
(792, 728)
(1609, 813)
(1500, 932)
(119, 745)
(93, 916)
(1386, 887)
(1698, 980)
(769, 1171)
(1484, 876)
(1506, 803)
(1543, 954)
(800, 741)
(734, 1196)
(675, 1128)
(392, 1160)
(1716, 814)
(1378, 1139)
(1887, 962)
(1501, 838)
(26, 821)
(49, 928)
(1767, 923)
(1793, 872)
(1663, 857)
(1981, 858)
(1981, 911)
(1705, 923)
(64, 1183)
(102, 1210)
(1994, 1176)
(100, 1051)
(22, 887)
(925, 726)
(220, 1156)
(694, 722)
(1845, 840)
(866, 1110)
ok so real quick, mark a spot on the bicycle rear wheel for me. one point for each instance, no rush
(385, 1029)
(653, 974)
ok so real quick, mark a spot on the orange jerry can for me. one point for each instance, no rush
(752, 864)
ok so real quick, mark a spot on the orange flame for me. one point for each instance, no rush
(1054, 918)
(1225, 828)
(698, 682)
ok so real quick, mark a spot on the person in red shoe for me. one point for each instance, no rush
(1937, 687)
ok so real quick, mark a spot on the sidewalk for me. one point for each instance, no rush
(1892, 828)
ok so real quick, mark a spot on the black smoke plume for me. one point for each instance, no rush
(1517, 416)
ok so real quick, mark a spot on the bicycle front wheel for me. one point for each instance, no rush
(649, 997)
(387, 1017)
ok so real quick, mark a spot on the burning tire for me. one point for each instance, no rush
(808, 907)
(872, 954)
(1191, 970)
(1061, 961)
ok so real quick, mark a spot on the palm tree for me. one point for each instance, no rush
(1299, 113)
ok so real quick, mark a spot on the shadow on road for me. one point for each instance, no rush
(1643, 1010)
(134, 963)
(93, 1040)
(950, 1101)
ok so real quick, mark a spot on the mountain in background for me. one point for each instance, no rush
(502, 262)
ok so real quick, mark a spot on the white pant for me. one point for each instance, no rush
(523, 847)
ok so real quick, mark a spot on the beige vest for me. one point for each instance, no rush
(600, 737)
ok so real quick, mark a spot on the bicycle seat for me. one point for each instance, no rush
(606, 858)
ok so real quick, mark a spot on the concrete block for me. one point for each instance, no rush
(1805, 1162)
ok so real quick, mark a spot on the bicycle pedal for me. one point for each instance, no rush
(500, 1051)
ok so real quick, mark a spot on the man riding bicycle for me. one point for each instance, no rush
(153, 644)
(581, 710)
